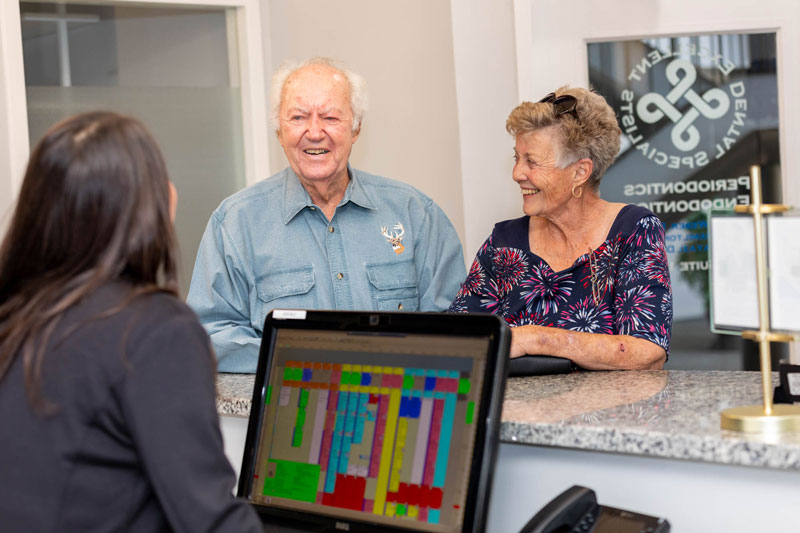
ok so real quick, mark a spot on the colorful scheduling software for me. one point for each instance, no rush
(370, 427)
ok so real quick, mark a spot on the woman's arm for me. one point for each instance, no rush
(169, 401)
(588, 350)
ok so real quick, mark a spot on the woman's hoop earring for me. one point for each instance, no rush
(580, 191)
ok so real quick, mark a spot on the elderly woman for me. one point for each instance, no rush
(577, 276)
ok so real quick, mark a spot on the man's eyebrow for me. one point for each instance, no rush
(303, 110)
(332, 109)
(295, 109)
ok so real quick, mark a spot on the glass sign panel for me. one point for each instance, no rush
(695, 112)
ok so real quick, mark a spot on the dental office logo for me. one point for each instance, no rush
(652, 107)
(679, 109)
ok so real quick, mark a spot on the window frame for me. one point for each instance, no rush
(243, 15)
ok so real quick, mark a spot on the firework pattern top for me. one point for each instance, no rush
(632, 292)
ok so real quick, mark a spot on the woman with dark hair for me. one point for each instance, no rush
(107, 380)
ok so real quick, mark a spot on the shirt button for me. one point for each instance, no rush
(330, 229)
(339, 275)
(400, 307)
(313, 208)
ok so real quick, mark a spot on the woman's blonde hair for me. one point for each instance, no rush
(590, 132)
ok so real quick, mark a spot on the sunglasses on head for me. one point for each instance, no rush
(565, 104)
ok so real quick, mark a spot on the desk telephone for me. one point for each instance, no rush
(576, 510)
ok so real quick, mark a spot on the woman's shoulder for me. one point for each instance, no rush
(120, 307)
(130, 299)
(512, 233)
(114, 330)
(632, 218)
(163, 304)
(166, 313)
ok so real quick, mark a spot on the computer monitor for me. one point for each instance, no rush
(367, 420)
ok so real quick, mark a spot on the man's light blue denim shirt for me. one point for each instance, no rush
(388, 247)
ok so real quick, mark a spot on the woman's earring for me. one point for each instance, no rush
(579, 193)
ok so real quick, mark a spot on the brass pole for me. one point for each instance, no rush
(763, 301)
(767, 419)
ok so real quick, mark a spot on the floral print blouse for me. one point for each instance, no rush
(622, 287)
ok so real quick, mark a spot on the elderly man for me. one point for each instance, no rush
(319, 234)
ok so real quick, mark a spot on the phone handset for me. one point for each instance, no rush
(565, 512)
(576, 510)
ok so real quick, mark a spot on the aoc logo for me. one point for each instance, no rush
(675, 110)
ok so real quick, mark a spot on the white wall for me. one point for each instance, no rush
(486, 80)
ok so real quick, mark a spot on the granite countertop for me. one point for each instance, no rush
(665, 413)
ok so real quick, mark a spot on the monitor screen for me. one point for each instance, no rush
(376, 427)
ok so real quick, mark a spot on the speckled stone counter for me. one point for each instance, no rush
(234, 394)
(673, 414)
(670, 413)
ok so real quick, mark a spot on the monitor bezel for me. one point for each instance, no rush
(487, 432)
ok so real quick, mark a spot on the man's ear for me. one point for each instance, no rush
(357, 133)
(583, 170)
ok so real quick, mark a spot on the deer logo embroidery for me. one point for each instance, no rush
(395, 238)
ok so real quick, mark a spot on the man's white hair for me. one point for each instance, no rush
(358, 87)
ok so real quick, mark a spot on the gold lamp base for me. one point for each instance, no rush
(751, 419)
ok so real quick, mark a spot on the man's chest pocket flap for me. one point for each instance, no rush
(387, 276)
(394, 286)
(286, 283)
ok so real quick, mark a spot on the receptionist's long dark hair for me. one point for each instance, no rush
(94, 207)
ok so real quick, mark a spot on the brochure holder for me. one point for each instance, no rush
(766, 418)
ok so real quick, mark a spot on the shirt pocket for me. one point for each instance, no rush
(393, 285)
(290, 288)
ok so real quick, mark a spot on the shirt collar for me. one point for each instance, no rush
(296, 198)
